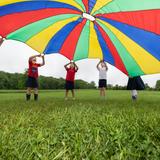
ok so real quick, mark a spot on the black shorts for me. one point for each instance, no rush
(135, 83)
(102, 83)
(32, 82)
(69, 85)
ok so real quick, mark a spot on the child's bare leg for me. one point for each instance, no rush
(67, 91)
(101, 92)
(134, 94)
(28, 94)
(73, 94)
(104, 94)
(35, 94)
(28, 90)
(35, 90)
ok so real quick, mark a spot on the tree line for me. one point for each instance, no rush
(18, 81)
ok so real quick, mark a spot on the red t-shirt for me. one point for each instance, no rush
(33, 69)
(71, 74)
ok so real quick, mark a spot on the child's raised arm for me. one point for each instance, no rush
(106, 66)
(65, 66)
(76, 67)
(43, 61)
(99, 64)
(32, 57)
(1, 41)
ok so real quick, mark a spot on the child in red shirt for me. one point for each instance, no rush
(32, 81)
(71, 69)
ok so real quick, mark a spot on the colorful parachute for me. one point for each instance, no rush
(125, 33)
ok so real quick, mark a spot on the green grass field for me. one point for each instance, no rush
(88, 128)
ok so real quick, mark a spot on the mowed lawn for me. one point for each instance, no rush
(89, 128)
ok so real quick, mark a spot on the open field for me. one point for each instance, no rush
(87, 128)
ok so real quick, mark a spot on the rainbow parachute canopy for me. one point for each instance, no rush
(124, 33)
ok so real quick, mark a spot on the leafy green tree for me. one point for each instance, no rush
(158, 85)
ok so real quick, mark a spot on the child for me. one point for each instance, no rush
(102, 68)
(32, 81)
(134, 84)
(71, 69)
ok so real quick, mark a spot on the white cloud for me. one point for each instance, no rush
(14, 58)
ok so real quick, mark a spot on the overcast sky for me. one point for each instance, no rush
(14, 58)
